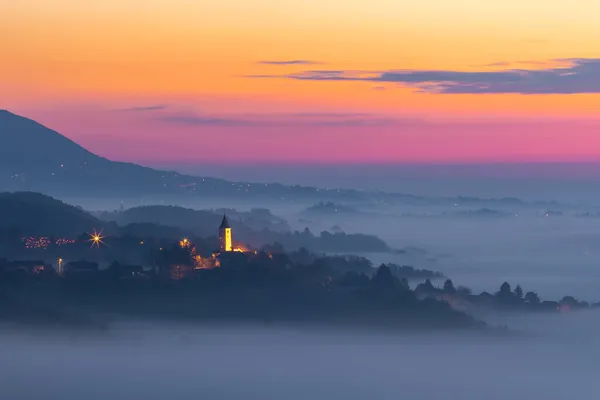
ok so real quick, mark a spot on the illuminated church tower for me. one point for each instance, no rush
(225, 235)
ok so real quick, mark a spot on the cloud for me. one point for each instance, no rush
(498, 64)
(330, 115)
(565, 76)
(155, 107)
(288, 62)
(297, 119)
(199, 120)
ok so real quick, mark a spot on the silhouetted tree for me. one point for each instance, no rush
(532, 298)
(383, 279)
(449, 287)
(505, 289)
(569, 301)
(505, 295)
(519, 292)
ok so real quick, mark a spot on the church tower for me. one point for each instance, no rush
(225, 235)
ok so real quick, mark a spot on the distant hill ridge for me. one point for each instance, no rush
(23, 140)
(36, 158)
(38, 214)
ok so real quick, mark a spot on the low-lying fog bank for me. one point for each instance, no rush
(158, 361)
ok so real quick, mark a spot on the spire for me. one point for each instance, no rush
(224, 223)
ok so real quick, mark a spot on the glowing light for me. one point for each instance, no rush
(96, 238)
(241, 248)
(225, 236)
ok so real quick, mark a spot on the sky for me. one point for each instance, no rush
(306, 81)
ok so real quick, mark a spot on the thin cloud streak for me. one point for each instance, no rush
(565, 76)
(155, 107)
(298, 119)
(288, 62)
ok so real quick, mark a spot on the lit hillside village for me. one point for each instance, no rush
(229, 254)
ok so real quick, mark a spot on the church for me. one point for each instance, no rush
(229, 257)
(225, 243)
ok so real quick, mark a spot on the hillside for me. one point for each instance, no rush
(36, 158)
(203, 223)
(35, 214)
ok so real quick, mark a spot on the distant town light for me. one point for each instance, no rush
(96, 238)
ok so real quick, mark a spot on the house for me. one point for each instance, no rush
(27, 267)
(232, 260)
(81, 269)
(178, 272)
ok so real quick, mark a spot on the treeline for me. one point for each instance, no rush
(504, 299)
(267, 290)
(32, 214)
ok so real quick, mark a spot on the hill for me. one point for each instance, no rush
(34, 214)
(36, 158)
(202, 223)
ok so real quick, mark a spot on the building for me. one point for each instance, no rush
(81, 269)
(178, 272)
(27, 267)
(225, 241)
(232, 260)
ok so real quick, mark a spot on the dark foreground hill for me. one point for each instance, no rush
(36, 214)
(24, 214)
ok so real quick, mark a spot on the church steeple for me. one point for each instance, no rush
(225, 222)
(225, 242)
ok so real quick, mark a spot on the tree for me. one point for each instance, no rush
(519, 292)
(449, 287)
(384, 274)
(384, 279)
(569, 301)
(425, 287)
(404, 283)
(505, 289)
(505, 295)
(532, 298)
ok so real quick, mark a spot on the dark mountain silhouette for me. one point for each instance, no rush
(34, 214)
(33, 157)
(36, 158)
(26, 144)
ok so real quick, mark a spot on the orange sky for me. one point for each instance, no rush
(195, 57)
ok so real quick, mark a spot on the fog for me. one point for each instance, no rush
(575, 182)
(555, 256)
(546, 357)
(552, 357)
